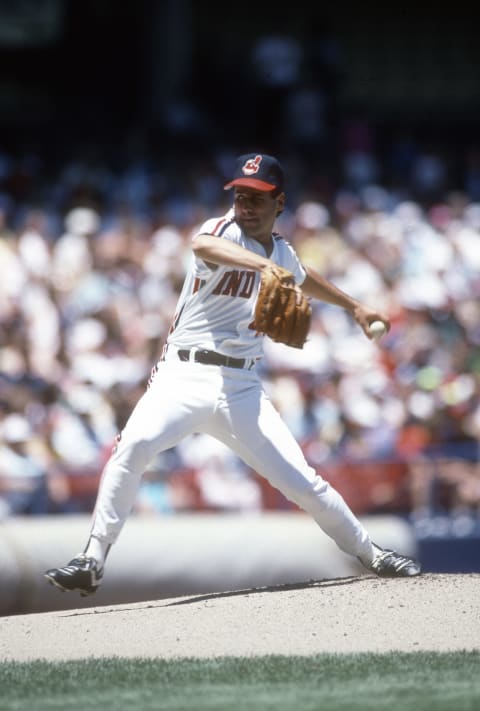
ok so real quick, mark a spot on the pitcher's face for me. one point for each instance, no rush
(256, 212)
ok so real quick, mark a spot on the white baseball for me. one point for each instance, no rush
(377, 329)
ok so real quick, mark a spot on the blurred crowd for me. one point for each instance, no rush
(91, 263)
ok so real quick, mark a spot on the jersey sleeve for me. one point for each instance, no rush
(218, 227)
(289, 260)
(222, 227)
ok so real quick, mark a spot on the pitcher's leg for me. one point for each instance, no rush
(167, 412)
(265, 443)
(176, 404)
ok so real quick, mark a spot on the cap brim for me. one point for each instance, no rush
(250, 183)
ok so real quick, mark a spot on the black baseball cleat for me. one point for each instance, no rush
(82, 574)
(389, 564)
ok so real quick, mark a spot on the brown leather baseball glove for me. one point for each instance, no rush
(282, 311)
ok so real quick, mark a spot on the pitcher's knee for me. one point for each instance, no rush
(134, 456)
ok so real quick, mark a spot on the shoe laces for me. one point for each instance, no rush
(388, 557)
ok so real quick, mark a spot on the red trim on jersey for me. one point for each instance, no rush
(218, 225)
(197, 284)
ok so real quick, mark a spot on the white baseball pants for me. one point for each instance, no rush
(231, 405)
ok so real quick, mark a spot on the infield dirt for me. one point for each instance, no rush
(438, 612)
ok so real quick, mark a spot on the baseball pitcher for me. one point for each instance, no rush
(246, 283)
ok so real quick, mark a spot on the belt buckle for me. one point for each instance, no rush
(192, 354)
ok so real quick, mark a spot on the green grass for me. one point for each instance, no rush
(397, 681)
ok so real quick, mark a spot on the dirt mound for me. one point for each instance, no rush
(352, 614)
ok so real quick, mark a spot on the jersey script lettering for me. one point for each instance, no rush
(236, 283)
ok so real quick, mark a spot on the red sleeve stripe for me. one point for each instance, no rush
(198, 283)
(221, 226)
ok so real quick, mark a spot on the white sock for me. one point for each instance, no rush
(375, 551)
(97, 549)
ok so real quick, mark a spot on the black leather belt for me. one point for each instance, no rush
(212, 358)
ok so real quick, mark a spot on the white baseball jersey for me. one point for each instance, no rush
(216, 305)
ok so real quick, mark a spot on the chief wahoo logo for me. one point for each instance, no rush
(252, 166)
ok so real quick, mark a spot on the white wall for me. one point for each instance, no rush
(160, 557)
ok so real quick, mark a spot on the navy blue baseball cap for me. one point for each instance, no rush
(258, 171)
